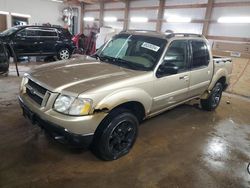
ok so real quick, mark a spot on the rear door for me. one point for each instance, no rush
(201, 67)
(48, 38)
(173, 88)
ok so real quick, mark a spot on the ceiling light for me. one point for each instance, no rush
(178, 19)
(234, 19)
(58, 1)
(110, 19)
(139, 19)
(89, 19)
(5, 13)
(21, 15)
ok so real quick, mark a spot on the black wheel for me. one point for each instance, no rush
(49, 59)
(116, 135)
(213, 101)
(63, 54)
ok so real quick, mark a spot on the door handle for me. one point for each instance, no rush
(184, 78)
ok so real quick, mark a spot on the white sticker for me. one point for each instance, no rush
(235, 54)
(150, 46)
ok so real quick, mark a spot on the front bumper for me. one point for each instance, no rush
(74, 131)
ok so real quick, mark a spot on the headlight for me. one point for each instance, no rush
(73, 106)
(63, 103)
(80, 107)
(23, 83)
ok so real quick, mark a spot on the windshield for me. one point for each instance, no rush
(9, 31)
(133, 51)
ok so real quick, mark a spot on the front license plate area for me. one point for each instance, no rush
(29, 115)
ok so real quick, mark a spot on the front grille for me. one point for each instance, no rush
(37, 87)
(36, 92)
(34, 97)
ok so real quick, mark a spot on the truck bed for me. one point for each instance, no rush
(222, 63)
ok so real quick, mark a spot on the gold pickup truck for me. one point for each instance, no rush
(99, 101)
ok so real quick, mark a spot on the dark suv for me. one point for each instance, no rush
(39, 41)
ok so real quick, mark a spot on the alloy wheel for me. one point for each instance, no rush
(216, 96)
(64, 54)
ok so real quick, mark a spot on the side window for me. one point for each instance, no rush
(22, 33)
(28, 32)
(47, 33)
(176, 55)
(64, 33)
(200, 56)
(32, 32)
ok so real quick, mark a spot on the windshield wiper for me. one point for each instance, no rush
(119, 62)
(96, 56)
(103, 58)
(130, 64)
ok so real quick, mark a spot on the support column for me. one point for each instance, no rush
(160, 15)
(126, 15)
(101, 13)
(209, 11)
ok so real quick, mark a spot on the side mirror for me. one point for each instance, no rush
(167, 69)
(18, 35)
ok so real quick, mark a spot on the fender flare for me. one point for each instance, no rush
(123, 96)
(217, 76)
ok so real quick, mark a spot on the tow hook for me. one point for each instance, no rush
(59, 137)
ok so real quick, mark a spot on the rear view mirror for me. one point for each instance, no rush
(171, 70)
(167, 69)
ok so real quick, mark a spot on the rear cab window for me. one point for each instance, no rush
(200, 54)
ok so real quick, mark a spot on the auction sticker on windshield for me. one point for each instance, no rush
(150, 46)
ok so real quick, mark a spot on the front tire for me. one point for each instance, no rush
(116, 135)
(63, 54)
(213, 101)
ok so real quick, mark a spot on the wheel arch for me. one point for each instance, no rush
(221, 75)
(135, 100)
(63, 46)
(222, 80)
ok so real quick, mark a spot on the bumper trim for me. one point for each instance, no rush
(57, 131)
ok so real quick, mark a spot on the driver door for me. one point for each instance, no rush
(172, 83)
(26, 42)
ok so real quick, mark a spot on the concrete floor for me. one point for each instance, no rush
(184, 147)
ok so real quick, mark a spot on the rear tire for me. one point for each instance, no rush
(213, 101)
(49, 59)
(63, 54)
(116, 135)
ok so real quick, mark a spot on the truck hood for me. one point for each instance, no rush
(79, 75)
